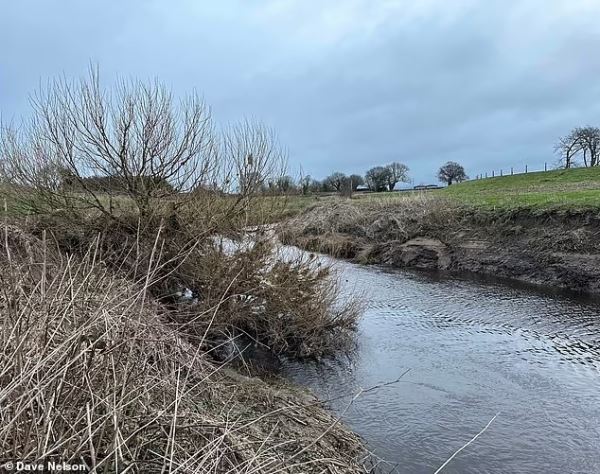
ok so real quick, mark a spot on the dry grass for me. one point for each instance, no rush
(289, 307)
(94, 369)
(349, 228)
(555, 247)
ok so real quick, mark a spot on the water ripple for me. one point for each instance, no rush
(474, 348)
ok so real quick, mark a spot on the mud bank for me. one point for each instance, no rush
(554, 248)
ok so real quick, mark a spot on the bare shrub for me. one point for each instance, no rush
(132, 148)
(255, 158)
(253, 150)
(86, 145)
(288, 306)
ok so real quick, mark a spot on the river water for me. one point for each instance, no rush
(475, 349)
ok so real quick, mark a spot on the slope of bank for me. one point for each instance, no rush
(559, 248)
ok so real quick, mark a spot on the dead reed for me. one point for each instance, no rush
(352, 228)
(93, 369)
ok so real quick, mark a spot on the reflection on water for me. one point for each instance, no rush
(474, 348)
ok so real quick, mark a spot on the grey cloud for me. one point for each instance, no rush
(347, 84)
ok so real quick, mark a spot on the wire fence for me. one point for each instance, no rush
(513, 171)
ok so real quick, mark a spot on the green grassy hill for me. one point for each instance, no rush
(574, 189)
(577, 188)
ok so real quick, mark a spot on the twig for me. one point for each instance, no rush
(467, 444)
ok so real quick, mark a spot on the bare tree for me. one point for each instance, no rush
(377, 178)
(356, 180)
(285, 184)
(304, 184)
(588, 139)
(136, 135)
(308, 185)
(336, 181)
(567, 148)
(452, 172)
(583, 141)
(315, 186)
(398, 172)
(254, 151)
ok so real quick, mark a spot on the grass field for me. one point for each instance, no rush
(572, 189)
(560, 189)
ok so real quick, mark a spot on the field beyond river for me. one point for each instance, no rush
(541, 228)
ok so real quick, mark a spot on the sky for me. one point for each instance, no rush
(347, 85)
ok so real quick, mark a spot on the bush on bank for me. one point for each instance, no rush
(94, 369)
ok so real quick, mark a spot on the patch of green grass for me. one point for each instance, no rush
(561, 189)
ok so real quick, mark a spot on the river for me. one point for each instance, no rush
(474, 349)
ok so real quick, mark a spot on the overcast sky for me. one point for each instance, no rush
(347, 84)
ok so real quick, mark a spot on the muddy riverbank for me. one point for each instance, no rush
(554, 248)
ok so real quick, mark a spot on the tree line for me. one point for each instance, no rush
(377, 179)
(84, 144)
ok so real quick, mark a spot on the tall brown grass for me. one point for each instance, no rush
(353, 228)
(95, 369)
(289, 306)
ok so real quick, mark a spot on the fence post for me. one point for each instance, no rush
(501, 172)
(545, 166)
(525, 169)
(492, 173)
(511, 170)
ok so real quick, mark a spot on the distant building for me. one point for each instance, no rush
(362, 188)
(425, 187)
